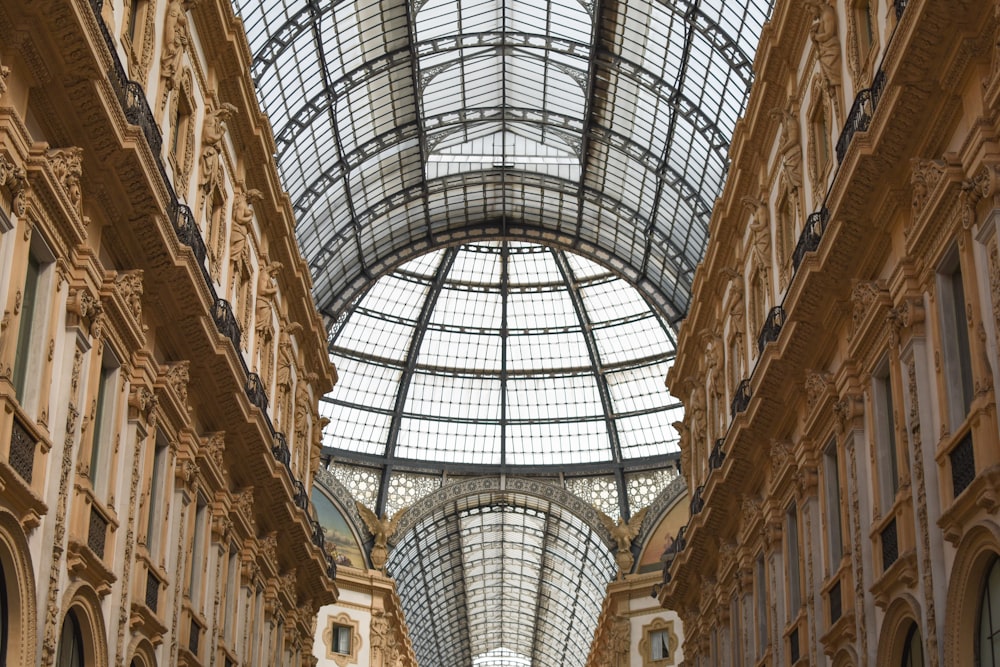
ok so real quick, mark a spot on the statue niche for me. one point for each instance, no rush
(211, 188)
(240, 274)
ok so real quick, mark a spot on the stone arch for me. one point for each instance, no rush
(19, 578)
(529, 487)
(83, 600)
(903, 612)
(846, 657)
(141, 650)
(979, 546)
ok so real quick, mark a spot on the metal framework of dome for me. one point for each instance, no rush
(406, 125)
(502, 356)
(413, 133)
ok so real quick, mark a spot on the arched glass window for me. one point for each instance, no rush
(70, 643)
(913, 652)
(988, 644)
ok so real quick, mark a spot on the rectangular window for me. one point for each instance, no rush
(831, 485)
(342, 640)
(28, 306)
(792, 553)
(255, 636)
(154, 515)
(104, 421)
(198, 552)
(885, 439)
(955, 341)
(232, 601)
(31, 329)
(735, 640)
(760, 596)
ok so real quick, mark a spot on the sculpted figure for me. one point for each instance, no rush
(381, 529)
(790, 147)
(824, 35)
(623, 533)
(242, 220)
(211, 152)
(265, 290)
(175, 40)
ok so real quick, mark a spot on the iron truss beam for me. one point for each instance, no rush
(411, 363)
(314, 107)
(637, 464)
(286, 34)
(599, 377)
(499, 178)
(345, 292)
(667, 174)
(317, 37)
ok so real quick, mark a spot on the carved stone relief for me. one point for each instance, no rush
(823, 33)
(129, 286)
(15, 178)
(175, 41)
(67, 165)
(925, 176)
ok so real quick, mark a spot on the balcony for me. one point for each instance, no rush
(861, 114)
(772, 327)
(225, 322)
(812, 234)
(255, 392)
(280, 450)
(718, 456)
(741, 399)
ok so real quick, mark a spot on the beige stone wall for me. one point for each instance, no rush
(369, 606)
(853, 492)
(158, 345)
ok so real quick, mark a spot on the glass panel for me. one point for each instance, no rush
(500, 90)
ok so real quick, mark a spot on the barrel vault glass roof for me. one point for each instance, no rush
(599, 124)
(501, 580)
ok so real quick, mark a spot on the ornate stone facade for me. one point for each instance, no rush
(861, 505)
(147, 495)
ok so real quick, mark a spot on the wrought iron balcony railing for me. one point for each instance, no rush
(301, 498)
(812, 234)
(772, 327)
(697, 502)
(741, 399)
(860, 117)
(890, 545)
(670, 553)
(225, 321)
(280, 450)
(718, 456)
(255, 392)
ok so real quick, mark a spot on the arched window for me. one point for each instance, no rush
(913, 651)
(70, 643)
(988, 640)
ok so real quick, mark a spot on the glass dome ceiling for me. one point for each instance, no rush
(502, 355)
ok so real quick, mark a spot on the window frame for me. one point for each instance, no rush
(955, 339)
(884, 440)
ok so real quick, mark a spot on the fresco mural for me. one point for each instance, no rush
(663, 536)
(340, 541)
